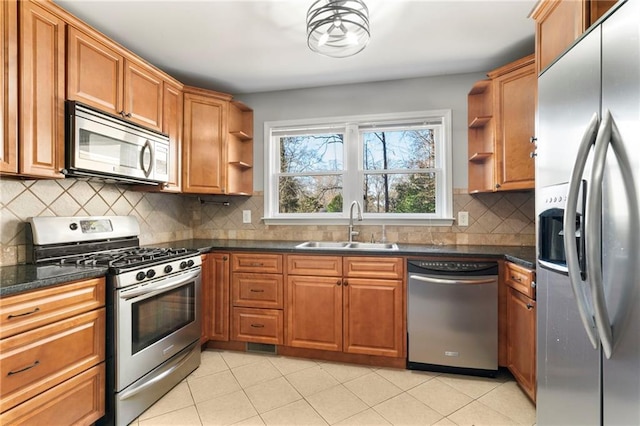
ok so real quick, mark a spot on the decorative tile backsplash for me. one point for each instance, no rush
(494, 219)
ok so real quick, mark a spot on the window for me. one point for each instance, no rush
(398, 167)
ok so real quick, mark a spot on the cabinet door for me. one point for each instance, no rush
(42, 72)
(515, 94)
(215, 285)
(203, 159)
(521, 338)
(9, 87)
(314, 312)
(373, 317)
(172, 101)
(94, 72)
(142, 95)
(77, 401)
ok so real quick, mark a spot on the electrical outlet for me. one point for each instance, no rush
(463, 218)
(246, 216)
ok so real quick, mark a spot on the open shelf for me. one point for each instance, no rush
(479, 121)
(480, 157)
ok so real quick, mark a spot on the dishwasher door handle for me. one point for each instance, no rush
(456, 281)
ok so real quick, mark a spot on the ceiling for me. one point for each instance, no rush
(248, 46)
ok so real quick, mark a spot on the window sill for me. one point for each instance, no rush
(365, 221)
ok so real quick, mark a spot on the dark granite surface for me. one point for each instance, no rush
(20, 278)
(522, 255)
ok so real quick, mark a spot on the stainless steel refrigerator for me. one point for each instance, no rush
(588, 228)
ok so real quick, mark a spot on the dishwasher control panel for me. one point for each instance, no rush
(453, 267)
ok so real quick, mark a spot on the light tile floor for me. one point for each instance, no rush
(255, 389)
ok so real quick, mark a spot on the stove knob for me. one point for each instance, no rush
(151, 273)
(168, 269)
(183, 264)
(140, 276)
(190, 263)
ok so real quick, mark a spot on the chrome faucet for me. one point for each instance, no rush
(353, 233)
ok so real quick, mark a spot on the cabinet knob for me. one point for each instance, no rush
(533, 284)
(346, 283)
(497, 185)
(533, 139)
(529, 306)
(225, 258)
(339, 282)
(533, 154)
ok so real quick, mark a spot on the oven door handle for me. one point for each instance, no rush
(166, 371)
(456, 281)
(173, 282)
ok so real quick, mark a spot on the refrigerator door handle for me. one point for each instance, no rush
(612, 136)
(569, 226)
(594, 233)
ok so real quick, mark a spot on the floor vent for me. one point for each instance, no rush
(262, 348)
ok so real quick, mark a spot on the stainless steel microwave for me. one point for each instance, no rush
(102, 146)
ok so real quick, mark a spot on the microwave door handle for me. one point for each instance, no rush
(569, 227)
(147, 170)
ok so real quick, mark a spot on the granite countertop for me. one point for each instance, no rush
(16, 279)
(521, 255)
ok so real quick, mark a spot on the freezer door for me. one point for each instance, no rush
(568, 366)
(620, 219)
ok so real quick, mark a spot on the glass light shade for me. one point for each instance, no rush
(338, 28)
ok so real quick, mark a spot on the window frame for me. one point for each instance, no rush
(353, 155)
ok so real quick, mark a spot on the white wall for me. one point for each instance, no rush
(416, 94)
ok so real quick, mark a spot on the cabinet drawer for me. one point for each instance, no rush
(324, 266)
(258, 325)
(27, 311)
(79, 400)
(257, 290)
(520, 279)
(36, 360)
(256, 262)
(374, 267)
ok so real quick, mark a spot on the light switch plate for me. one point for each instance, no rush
(246, 216)
(463, 218)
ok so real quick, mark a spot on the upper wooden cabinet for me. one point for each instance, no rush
(173, 102)
(218, 144)
(103, 76)
(560, 22)
(9, 87)
(204, 167)
(32, 107)
(501, 117)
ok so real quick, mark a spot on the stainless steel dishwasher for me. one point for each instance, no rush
(452, 316)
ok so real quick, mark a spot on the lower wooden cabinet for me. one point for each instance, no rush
(521, 327)
(215, 296)
(339, 313)
(257, 298)
(52, 354)
(78, 401)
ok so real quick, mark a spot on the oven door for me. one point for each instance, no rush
(154, 321)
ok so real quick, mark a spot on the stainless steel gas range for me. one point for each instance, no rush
(153, 304)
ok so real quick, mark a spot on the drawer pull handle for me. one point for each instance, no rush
(516, 278)
(24, 314)
(257, 325)
(256, 290)
(29, 367)
(257, 264)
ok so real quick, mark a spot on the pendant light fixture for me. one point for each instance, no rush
(338, 28)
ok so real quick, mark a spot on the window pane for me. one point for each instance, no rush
(310, 194)
(321, 152)
(399, 149)
(400, 193)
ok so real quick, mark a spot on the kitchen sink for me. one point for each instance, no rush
(331, 245)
